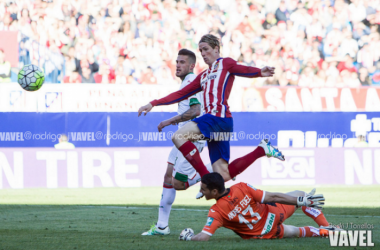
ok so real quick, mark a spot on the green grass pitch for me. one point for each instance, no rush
(114, 218)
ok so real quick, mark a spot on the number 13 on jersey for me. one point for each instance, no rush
(253, 221)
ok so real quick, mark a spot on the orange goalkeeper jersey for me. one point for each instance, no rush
(241, 211)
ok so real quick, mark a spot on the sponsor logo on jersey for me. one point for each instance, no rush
(209, 221)
(208, 77)
(233, 201)
(204, 77)
(268, 224)
(212, 210)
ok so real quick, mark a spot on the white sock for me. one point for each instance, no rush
(168, 196)
(197, 177)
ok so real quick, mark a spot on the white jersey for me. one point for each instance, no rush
(184, 105)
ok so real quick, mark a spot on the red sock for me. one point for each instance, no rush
(316, 215)
(239, 165)
(192, 155)
(309, 232)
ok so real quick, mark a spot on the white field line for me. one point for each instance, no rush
(203, 210)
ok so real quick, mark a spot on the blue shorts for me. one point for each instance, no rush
(209, 124)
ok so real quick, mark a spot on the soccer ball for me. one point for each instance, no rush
(31, 77)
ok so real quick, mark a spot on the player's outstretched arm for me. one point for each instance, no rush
(145, 109)
(267, 71)
(189, 114)
(247, 71)
(316, 201)
(201, 237)
(188, 234)
(191, 89)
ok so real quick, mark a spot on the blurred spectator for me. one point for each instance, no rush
(375, 74)
(366, 57)
(347, 64)
(120, 78)
(360, 30)
(357, 11)
(361, 143)
(355, 82)
(348, 45)
(270, 21)
(71, 63)
(87, 75)
(88, 62)
(148, 77)
(282, 14)
(5, 68)
(74, 77)
(64, 143)
(364, 77)
(105, 74)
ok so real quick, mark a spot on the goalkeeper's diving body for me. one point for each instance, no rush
(256, 214)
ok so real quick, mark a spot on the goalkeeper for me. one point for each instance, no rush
(256, 214)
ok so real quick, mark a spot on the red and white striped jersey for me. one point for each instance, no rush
(216, 83)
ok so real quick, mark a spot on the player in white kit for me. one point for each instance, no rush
(180, 174)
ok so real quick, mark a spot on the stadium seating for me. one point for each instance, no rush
(311, 43)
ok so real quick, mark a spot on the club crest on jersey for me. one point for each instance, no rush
(209, 221)
(216, 66)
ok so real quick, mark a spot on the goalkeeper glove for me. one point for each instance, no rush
(186, 234)
(315, 201)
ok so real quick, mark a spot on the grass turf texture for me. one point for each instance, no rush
(115, 218)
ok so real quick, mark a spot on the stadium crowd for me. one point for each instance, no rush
(312, 43)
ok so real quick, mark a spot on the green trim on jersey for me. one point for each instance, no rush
(181, 177)
(193, 101)
(187, 75)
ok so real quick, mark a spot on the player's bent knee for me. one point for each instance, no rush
(168, 174)
(221, 167)
(168, 178)
(178, 139)
(290, 231)
(179, 185)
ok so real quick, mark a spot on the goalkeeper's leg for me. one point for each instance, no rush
(313, 213)
(292, 231)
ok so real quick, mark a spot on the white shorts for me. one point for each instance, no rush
(181, 165)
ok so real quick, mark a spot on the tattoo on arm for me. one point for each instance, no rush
(191, 113)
